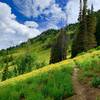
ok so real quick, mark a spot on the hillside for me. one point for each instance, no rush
(41, 43)
(69, 79)
(61, 63)
(55, 81)
(38, 46)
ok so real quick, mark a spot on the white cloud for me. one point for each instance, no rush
(33, 8)
(72, 9)
(11, 31)
(57, 16)
(16, 32)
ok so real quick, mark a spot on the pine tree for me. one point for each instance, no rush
(80, 13)
(78, 42)
(97, 34)
(5, 70)
(5, 73)
(85, 38)
(91, 29)
(58, 50)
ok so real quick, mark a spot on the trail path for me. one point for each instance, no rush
(83, 92)
(78, 88)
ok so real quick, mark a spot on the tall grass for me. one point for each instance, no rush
(53, 83)
(90, 69)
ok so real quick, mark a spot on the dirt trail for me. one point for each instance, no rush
(83, 92)
(78, 88)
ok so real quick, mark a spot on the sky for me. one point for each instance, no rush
(24, 19)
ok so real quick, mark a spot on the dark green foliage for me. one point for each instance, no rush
(40, 64)
(78, 42)
(48, 33)
(85, 39)
(58, 50)
(77, 45)
(25, 64)
(91, 29)
(15, 71)
(5, 73)
(97, 34)
(96, 82)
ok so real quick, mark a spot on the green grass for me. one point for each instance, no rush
(52, 82)
(39, 46)
(90, 69)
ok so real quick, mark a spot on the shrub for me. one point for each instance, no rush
(5, 73)
(25, 63)
(98, 48)
(40, 64)
(96, 82)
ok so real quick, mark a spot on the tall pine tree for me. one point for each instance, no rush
(78, 42)
(97, 34)
(5, 71)
(91, 29)
(85, 38)
(59, 48)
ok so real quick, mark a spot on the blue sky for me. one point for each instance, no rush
(24, 19)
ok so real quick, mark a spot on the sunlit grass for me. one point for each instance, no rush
(51, 82)
(89, 68)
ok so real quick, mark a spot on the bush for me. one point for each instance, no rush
(96, 82)
(40, 64)
(5, 73)
(98, 48)
(7, 58)
(25, 63)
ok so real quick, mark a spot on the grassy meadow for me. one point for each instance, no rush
(52, 82)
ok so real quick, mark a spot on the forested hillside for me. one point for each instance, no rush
(39, 47)
(61, 64)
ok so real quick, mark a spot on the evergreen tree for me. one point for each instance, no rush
(5, 70)
(85, 38)
(58, 50)
(80, 13)
(15, 70)
(91, 29)
(97, 34)
(5, 73)
(78, 42)
(25, 64)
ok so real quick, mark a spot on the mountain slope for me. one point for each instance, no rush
(52, 82)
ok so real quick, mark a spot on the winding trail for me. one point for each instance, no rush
(78, 88)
